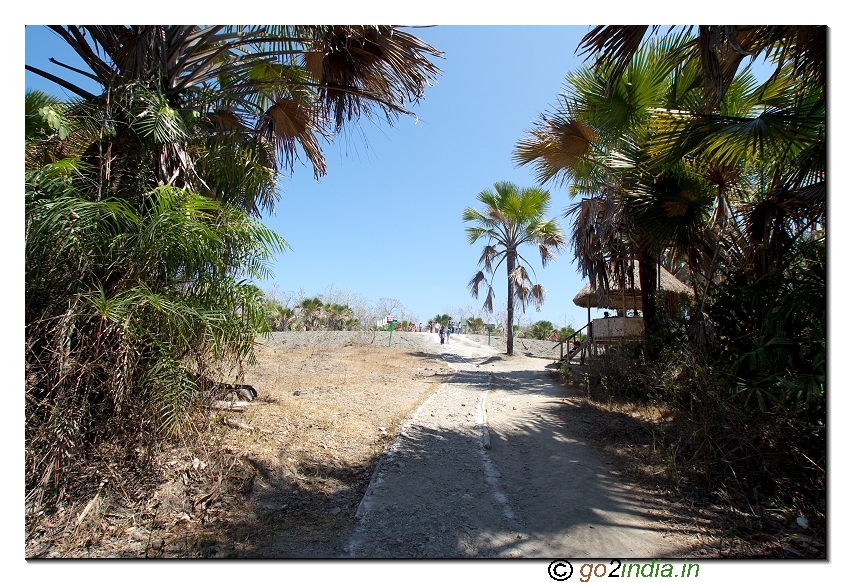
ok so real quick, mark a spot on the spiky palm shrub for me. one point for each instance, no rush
(310, 312)
(475, 325)
(541, 330)
(279, 317)
(126, 309)
(133, 291)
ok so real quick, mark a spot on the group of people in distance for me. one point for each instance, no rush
(446, 332)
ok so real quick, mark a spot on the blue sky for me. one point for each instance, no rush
(386, 219)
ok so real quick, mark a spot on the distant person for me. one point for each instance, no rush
(442, 334)
(449, 332)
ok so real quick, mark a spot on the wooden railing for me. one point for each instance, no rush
(577, 349)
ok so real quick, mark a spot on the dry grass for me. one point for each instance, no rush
(327, 406)
(637, 437)
(281, 479)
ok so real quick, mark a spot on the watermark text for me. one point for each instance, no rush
(562, 570)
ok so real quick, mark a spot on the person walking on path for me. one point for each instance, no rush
(442, 334)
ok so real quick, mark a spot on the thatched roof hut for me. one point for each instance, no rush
(629, 298)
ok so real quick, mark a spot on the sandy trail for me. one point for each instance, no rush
(536, 492)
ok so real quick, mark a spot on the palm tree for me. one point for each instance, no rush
(639, 141)
(639, 206)
(281, 316)
(718, 51)
(337, 315)
(757, 154)
(735, 194)
(542, 330)
(126, 308)
(261, 91)
(442, 319)
(511, 218)
(475, 325)
(142, 208)
(768, 139)
(311, 309)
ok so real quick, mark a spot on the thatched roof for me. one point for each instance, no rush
(587, 298)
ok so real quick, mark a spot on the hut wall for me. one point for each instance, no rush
(617, 327)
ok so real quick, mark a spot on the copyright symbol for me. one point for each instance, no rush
(560, 570)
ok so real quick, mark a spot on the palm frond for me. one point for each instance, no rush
(537, 294)
(475, 282)
(289, 121)
(366, 66)
(614, 45)
(489, 253)
(488, 301)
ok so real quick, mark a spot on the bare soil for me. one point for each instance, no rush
(328, 406)
(286, 476)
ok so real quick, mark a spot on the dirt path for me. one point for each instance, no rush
(536, 492)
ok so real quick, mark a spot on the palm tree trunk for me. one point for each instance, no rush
(648, 288)
(511, 265)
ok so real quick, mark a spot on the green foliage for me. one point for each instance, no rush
(55, 121)
(475, 325)
(723, 180)
(337, 316)
(541, 330)
(442, 319)
(126, 307)
(568, 332)
(278, 316)
(310, 309)
(310, 314)
(142, 235)
(773, 331)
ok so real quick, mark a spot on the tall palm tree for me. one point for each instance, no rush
(759, 262)
(142, 207)
(596, 140)
(655, 155)
(512, 217)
